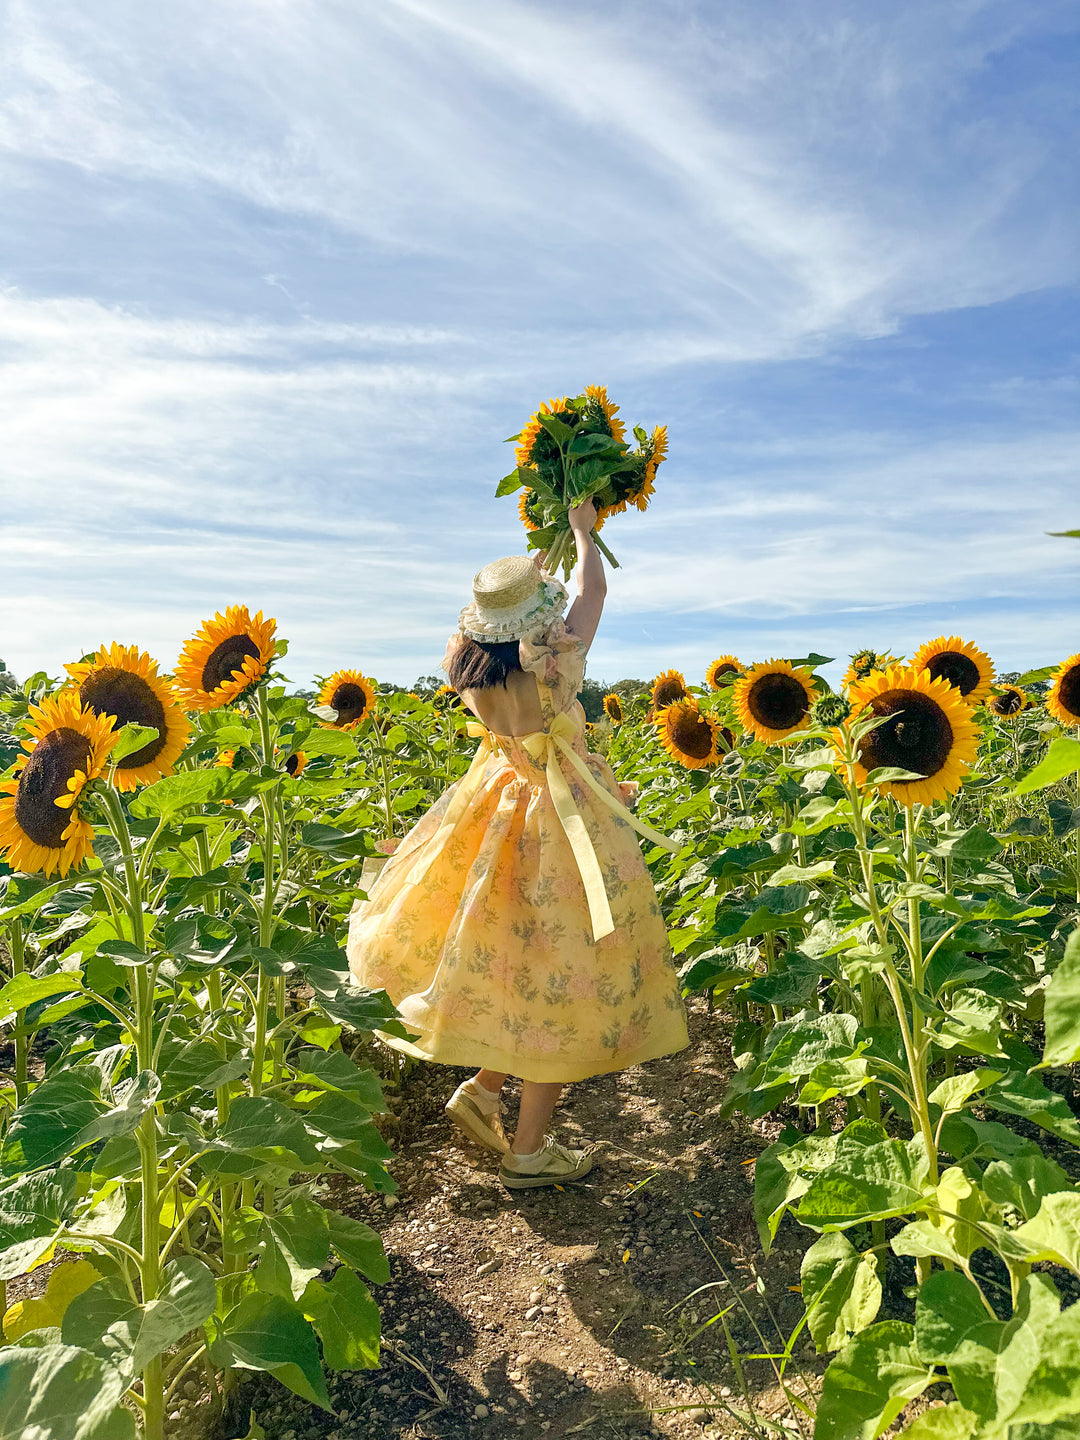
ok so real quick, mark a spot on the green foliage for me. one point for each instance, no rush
(904, 984)
(192, 992)
(899, 978)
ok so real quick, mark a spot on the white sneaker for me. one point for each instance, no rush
(467, 1115)
(553, 1164)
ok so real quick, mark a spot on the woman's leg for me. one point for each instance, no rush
(538, 1101)
(490, 1080)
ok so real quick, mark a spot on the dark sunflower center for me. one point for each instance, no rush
(692, 735)
(959, 670)
(917, 736)
(1009, 702)
(130, 701)
(727, 737)
(1069, 691)
(725, 669)
(227, 660)
(778, 701)
(292, 763)
(350, 702)
(667, 693)
(52, 764)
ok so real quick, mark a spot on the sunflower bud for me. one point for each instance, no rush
(830, 710)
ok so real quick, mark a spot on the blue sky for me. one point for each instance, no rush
(277, 278)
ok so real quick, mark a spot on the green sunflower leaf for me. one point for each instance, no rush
(1062, 758)
(132, 738)
(869, 1383)
(63, 1393)
(1061, 1008)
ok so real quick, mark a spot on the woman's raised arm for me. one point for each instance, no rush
(586, 610)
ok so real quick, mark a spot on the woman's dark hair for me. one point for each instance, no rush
(478, 666)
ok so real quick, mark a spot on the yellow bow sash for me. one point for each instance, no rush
(547, 747)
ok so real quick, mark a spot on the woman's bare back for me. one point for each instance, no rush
(510, 710)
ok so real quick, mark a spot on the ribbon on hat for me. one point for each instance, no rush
(546, 747)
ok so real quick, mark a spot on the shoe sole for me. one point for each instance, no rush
(475, 1129)
(515, 1181)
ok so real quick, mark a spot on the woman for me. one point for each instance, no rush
(516, 928)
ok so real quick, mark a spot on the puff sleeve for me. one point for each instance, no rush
(557, 659)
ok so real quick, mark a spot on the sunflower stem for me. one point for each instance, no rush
(868, 999)
(388, 803)
(266, 909)
(17, 946)
(608, 556)
(145, 984)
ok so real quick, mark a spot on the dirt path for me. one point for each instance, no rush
(550, 1314)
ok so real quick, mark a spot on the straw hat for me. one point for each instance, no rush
(511, 598)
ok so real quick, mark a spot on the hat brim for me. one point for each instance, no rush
(492, 626)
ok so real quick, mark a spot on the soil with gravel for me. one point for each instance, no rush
(581, 1311)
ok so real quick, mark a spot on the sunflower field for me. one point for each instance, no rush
(183, 1066)
(879, 882)
(882, 883)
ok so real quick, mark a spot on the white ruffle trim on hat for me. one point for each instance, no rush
(492, 626)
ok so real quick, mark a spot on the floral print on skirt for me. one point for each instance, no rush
(490, 956)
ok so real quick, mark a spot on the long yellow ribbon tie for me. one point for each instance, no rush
(463, 798)
(546, 747)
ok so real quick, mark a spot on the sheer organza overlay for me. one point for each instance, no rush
(480, 927)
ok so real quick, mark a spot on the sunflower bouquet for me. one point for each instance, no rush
(572, 450)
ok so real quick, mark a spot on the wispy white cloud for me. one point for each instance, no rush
(155, 471)
(324, 257)
(719, 175)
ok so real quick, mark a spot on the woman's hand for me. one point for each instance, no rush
(582, 517)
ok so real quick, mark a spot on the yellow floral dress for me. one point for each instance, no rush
(516, 927)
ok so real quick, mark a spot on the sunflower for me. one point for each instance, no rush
(690, 737)
(225, 759)
(864, 663)
(669, 685)
(352, 695)
(930, 732)
(122, 682)
(773, 699)
(41, 827)
(296, 763)
(724, 665)
(446, 698)
(829, 710)
(532, 430)
(599, 397)
(525, 500)
(966, 667)
(613, 708)
(640, 497)
(1063, 702)
(228, 654)
(640, 493)
(1008, 702)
